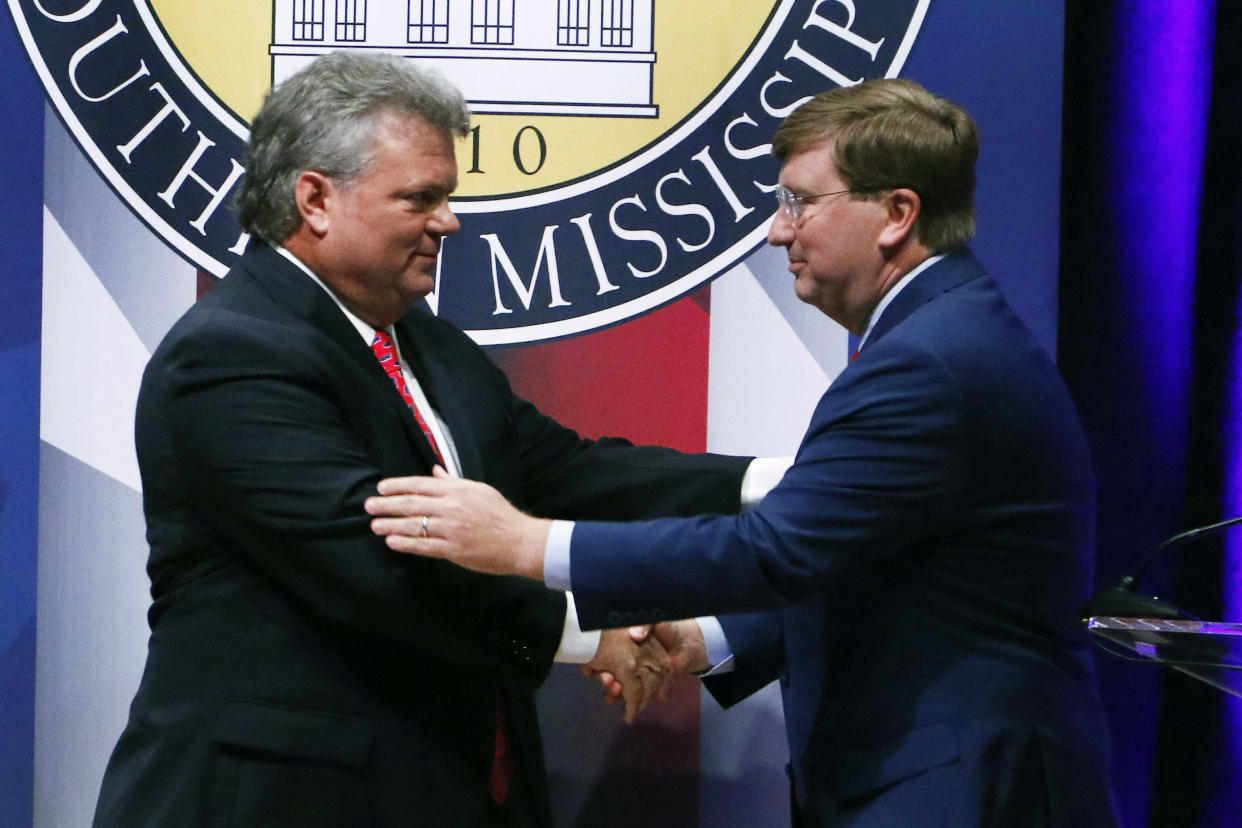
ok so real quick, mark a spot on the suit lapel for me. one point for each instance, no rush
(955, 269)
(290, 287)
(436, 377)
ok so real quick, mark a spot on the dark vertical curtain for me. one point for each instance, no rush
(1150, 344)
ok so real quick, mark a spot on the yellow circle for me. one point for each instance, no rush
(697, 44)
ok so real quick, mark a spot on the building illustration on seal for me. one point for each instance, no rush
(536, 57)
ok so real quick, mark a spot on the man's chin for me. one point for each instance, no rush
(804, 292)
(418, 284)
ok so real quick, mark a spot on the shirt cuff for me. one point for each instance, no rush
(719, 653)
(761, 477)
(556, 555)
(577, 647)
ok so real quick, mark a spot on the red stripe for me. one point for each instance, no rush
(645, 380)
(205, 282)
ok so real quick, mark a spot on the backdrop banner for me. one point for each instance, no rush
(616, 191)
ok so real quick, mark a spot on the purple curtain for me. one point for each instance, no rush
(1151, 346)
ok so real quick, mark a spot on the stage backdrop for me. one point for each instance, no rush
(616, 191)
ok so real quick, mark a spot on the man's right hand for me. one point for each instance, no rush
(633, 664)
(683, 640)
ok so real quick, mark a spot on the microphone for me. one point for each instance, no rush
(1122, 601)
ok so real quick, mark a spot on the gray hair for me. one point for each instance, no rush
(325, 118)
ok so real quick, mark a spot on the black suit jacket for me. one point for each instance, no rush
(299, 672)
(921, 565)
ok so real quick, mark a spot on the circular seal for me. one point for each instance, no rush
(618, 156)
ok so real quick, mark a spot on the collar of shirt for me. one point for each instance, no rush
(364, 330)
(892, 294)
(439, 429)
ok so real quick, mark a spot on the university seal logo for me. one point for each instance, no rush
(619, 154)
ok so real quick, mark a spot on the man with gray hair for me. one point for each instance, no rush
(299, 672)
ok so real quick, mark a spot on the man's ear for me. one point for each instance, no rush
(311, 193)
(903, 206)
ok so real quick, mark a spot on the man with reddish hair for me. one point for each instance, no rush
(915, 578)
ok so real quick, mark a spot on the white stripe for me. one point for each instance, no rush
(762, 384)
(92, 363)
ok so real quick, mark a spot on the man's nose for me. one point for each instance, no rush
(781, 233)
(443, 220)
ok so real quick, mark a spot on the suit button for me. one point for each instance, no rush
(658, 615)
(642, 617)
(784, 677)
(614, 619)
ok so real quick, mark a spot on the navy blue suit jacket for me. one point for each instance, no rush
(913, 581)
(299, 672)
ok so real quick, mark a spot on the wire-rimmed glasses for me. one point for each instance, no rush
(794, 205)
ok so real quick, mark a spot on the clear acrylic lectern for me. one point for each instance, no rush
(1210, 651)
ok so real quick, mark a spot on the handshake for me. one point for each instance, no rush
(641, 663)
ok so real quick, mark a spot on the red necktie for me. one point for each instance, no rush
(502, 760)
(386, 352)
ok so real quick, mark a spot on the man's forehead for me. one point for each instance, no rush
(810, 163)
(409, 126)
(413, 138)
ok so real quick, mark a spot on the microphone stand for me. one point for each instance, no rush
(1122, 601)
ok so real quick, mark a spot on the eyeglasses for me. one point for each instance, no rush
(794, 205)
